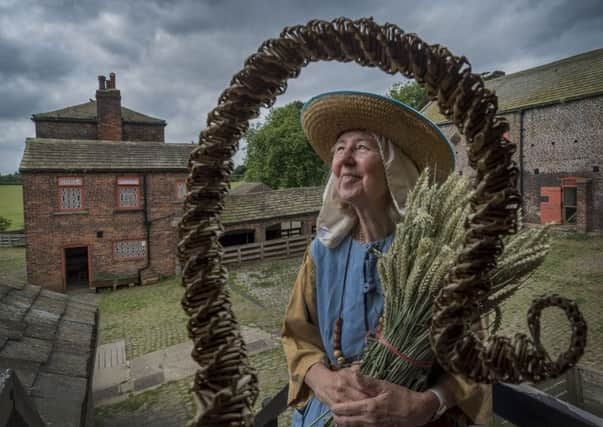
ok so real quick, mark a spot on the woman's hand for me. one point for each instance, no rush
(390, 405)
(336, 387)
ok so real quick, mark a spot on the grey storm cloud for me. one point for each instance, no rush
(173, 58)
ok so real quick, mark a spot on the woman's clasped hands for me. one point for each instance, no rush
(357, 400)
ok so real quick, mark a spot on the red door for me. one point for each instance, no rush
(550, 205)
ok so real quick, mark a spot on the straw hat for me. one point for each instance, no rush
(328, 115)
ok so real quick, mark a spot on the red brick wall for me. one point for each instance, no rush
(108, 114)
(88, 130)
(66, 130)
(164, 214)
(140, 132)
(48, 230)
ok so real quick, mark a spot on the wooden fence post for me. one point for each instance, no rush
(574, 386)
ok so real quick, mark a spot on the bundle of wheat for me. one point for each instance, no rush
(428, 240)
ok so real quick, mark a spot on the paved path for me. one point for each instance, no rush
(115, 376)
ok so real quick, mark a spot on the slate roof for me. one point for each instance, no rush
(87, 112)
(560, 81)
(68, 155)
(49, 339)
(256, 207)
(250, 187)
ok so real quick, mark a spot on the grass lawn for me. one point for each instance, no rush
(573, 269)
(11, 205)
(12, 264)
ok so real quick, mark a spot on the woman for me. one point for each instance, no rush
(376, 148)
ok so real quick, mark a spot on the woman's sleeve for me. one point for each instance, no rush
(475, 400)
(301, 336)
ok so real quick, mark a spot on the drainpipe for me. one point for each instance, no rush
(147, 226)
(521, 142)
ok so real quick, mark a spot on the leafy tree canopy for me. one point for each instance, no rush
(410, 93)
(10, 179)
(278, 153)
(238, 172)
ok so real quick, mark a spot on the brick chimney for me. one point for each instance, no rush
(108, 109)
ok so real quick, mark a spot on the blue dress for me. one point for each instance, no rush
(359, 300)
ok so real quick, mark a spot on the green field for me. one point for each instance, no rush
(11, 205)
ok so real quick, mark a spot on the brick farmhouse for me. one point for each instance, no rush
(555, 113)
(102, 193)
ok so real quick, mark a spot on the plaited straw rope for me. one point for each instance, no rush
(225, 385)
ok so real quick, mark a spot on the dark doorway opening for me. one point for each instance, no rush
(76, 267)
(273, 232)
(570, 205)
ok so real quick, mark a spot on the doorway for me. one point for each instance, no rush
(76, 267)
(570, 202)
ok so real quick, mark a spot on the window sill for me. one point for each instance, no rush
(126, 210)
(74, 212)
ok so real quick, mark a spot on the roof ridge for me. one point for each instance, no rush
(64, 108)
(87, 111)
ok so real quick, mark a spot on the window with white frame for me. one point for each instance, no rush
(130, 249)
(71, 193)
(128, 192)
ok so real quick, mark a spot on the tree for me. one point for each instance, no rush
(278, 153)
(410, 93)
(239, 172)
(4, 223)
(10, 179)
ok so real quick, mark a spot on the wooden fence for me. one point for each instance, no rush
(8, 240)
(277, 248)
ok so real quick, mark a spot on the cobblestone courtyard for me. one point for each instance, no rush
(150, 318)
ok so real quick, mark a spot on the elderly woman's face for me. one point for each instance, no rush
(358, 165)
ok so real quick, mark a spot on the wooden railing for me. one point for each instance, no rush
(277, 248)
(580, 386)
(572, 400)
(8, 240)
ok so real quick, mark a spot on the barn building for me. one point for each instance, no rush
(555, 112)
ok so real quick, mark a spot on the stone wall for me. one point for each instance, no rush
(98, 225)
(560, 140)
(564, 140)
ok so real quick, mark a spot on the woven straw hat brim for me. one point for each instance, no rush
(327, 116)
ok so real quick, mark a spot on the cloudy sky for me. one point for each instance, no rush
(173, 58)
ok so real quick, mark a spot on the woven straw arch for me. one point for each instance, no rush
(225, 386)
